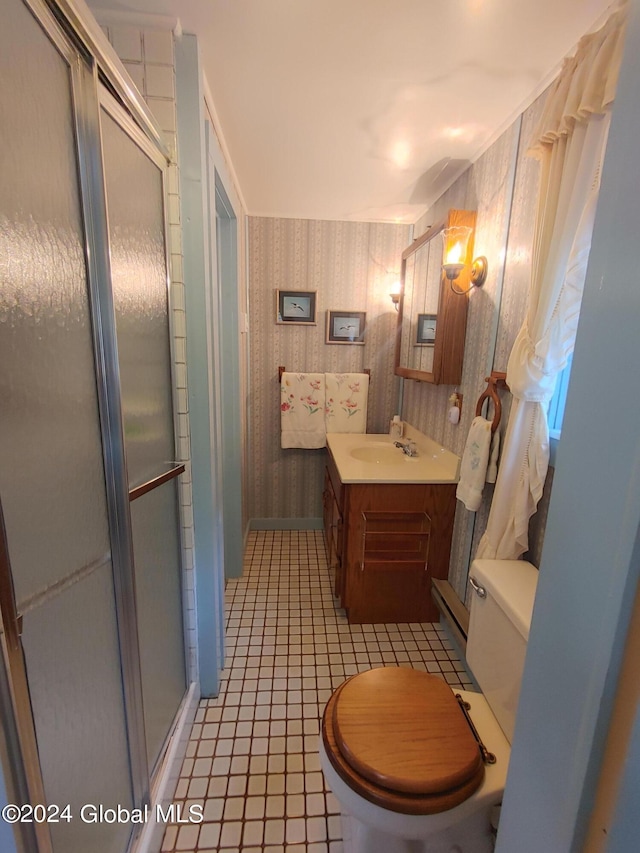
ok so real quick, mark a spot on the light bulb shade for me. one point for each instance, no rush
(454, 251)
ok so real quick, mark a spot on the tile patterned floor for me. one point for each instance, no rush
(252, 761)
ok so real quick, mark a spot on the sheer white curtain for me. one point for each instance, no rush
(570, 142)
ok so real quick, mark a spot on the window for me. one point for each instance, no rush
(555, 412)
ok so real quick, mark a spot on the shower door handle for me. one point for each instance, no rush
(160, 480)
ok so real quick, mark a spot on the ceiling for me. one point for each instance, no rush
(368, 109)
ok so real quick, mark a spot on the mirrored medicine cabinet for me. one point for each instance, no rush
(432, 318)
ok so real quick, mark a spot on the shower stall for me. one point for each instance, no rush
(90, 552)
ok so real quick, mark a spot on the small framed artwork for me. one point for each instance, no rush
(346, 327)
(426, 329)
(296, 306)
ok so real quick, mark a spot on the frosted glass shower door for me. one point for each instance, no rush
(52, 480)
(134, 184)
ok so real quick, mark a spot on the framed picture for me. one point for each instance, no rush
(346, 327)
(296, 306)
(426, 329)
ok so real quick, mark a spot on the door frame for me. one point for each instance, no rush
(224, 283)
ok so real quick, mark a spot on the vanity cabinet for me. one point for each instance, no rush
(385, 542)
(333, 526)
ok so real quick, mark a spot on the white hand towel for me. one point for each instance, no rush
(347, 396)
(302, 400)
(475, 463)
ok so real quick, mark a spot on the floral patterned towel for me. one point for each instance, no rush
(302, 403)
(479, 463)
(346, 402)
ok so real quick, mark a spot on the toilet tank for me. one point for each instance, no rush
(499, 632)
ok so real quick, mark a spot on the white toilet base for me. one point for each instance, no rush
(466, 828)
(473, 835)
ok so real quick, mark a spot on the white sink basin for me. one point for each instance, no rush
(381, 453)
(373, 458)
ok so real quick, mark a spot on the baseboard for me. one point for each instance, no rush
(285, 524)
(452, 610)
(150, 839)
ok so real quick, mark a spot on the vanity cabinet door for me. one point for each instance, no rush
(397, 590)
(333, 527)
(338, 573)
(327, 509)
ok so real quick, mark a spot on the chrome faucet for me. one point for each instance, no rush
(408, 447)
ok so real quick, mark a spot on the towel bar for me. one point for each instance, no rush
(496, 379)
(282, 369)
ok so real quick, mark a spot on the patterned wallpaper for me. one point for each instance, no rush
(502, 186)
(351, 266)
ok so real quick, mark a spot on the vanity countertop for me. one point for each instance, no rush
(373, 458)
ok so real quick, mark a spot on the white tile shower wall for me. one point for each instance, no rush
(352, 266)
(148, 56)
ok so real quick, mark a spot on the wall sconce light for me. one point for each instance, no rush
(396, 290)
(456, 243)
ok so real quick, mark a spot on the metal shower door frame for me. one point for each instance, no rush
(81, 46)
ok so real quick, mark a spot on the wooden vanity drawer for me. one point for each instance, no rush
(397, 537)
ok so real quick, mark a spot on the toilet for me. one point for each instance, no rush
(398, 747)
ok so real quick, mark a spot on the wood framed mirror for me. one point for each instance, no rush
(432, 319)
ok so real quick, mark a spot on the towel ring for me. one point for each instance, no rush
(496, 379)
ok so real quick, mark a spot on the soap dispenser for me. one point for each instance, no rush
(396, 427)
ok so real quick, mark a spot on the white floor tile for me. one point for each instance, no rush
(253, 757)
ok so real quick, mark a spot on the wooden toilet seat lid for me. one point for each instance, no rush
(403, 729)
